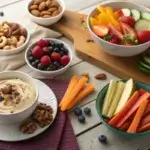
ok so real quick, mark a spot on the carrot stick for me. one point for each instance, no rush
(145, 121)
(147, 111)
(133, 109)
(136, 121)
(125, 126)
(144, 128)
(86, 91)
(142, 91)
(125, 109)
(74, 80)
(74, 93)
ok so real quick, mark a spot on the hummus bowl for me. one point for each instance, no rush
(18, 96)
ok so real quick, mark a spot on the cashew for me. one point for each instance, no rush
(3, 41)
(21, 41)
(7, 47)
(12, 40)
(12, 46)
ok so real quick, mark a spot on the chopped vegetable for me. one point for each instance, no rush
(73, 82)
(76, 89)
(113, 122)
(133, 108)
(145, 121)
(125, 126)
(142, 91)
(89, 88)
(144, 128)
(100, 30)
(138, 116)
(147, 111)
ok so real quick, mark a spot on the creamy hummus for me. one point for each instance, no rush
(15, 96)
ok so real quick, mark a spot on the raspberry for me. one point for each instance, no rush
(65, 59)
(37, 52)
(45, 60)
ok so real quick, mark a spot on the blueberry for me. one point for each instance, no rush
(61, 53)
(49, 69)
(1, 98)
(1, 13)
(81, 119)
(37, 61)
(87, 111)
(30, 53)
(31, 59)
(53, 67)
(56, 49)
(50, 49)
(102, 138)
(78, 111)
(57, 45)
(64, 50)
(61, 45)
(57, 64)
(52, 44)
(40, 66)
(34, 64)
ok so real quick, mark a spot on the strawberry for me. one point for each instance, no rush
(55, 56)
(43, 43)
(144, 36)
(37, 52)
(45, 60)
(65, 59)
(128, 20)
(100, 30)
(115, 32)
(119, 13)
(127, 30)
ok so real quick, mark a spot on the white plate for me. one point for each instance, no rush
(12, 133)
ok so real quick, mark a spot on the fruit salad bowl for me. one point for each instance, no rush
(120, 28)
(128, 89)
(49, 57)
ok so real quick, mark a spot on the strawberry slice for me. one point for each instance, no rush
(128, 20)
(144, 36)
(119, 13)
(100, 30)
(127, 30)
(115, 32)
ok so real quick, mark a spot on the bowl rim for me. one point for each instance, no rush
(55, 71)
(112, 44)
(20, 47)
(102, 118)
(61, 2)
(36, 91)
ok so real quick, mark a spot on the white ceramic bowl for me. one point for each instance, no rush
(50, 73)
(114, 49)
(18, 49)
(48, 21)
(19, 116)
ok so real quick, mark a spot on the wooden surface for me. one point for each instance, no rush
(87, 134)
(72, 28)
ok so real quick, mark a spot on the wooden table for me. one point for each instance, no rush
(87, 134)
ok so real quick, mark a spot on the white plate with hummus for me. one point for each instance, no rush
(12, 133)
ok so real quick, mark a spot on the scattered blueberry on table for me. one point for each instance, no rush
(87, 111)
(78, 111)
(1, 98)
(1, 14)
(81, 119)
(102, 139)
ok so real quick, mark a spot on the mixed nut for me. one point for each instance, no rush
(12, 35)
(42, 116)
(45, 8)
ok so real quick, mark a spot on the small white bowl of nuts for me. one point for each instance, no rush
(46, 12)
(13, 38)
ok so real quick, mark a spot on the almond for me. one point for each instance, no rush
(101, 76)
(47, 16)
(45, 13)
(52, 9)
(48, 3)
(33, 7)
(55, 13)
(42, 6)
(35, 13)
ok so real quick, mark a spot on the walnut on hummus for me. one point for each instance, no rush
(15, 96)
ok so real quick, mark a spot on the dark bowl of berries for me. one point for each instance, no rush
(121, 28)
(49, 56)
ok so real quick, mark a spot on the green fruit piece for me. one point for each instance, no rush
(143, 69)
(127, 92)
(144, 65)
(118, 92)
(108, 97)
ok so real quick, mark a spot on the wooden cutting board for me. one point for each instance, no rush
(70, 25)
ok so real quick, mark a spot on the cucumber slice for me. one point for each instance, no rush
(126, 12)
(136, 14)
(142, 24)
(146, 60)
(146, 15)
(143, 69)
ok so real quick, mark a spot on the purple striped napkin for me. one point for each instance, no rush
(59, 136)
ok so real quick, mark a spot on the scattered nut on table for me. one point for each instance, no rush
(12, 35)
(101, 76)
(45, 8)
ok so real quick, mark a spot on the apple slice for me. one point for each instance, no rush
(108, 97)
(118, 92)
(127, 92)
